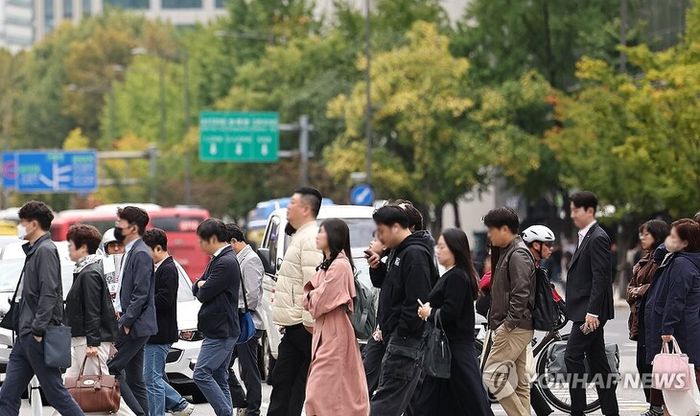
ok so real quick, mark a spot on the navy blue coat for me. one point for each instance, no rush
(137, 295)
(218, 315)
(673, 306)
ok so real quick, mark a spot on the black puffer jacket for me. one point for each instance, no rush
(89, 310)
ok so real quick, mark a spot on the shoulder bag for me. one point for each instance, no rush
(94, 393)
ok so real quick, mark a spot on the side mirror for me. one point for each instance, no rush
(264, 254)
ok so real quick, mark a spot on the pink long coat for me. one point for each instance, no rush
(336, 385)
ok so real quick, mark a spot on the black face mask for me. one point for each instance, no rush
(119, 234)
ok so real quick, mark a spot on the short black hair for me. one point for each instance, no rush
(235, 233)
(311, 196)
(500, 217)
(415, 218)
(658, 229)
(39, 211)
(85, 235)
(134, 216)
(213, 227)
(585, 200)
(156, 237)
(391, 214)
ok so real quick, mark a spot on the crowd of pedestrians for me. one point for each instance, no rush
(320, 367)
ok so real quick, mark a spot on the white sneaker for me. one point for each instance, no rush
(187, 411)
(241, 411)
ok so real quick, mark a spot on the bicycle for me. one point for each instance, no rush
(553, 390)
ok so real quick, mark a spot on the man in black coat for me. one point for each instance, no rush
(136, 308)
(218, 316)
(589, 304)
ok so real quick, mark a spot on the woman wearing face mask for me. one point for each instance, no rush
(672, 309)
(336, 384)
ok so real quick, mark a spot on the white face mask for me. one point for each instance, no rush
(673, 246)
(21, 231)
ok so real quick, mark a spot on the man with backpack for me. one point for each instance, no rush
(511, 314)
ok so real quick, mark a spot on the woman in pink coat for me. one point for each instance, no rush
(336, 384)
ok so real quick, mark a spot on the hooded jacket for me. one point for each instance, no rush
(673, 305)
(410, 276)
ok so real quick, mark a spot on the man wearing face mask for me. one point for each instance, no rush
(39, 303)
(136, 308)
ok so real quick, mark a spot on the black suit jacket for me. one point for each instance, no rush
(218, 316)
(589, 281)
(166, 303)
(137, 293)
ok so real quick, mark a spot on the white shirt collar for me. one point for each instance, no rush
(129, 246)
(161, 262)
(582, 233)
(219, 251)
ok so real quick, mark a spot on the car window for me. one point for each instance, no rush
(273, 237)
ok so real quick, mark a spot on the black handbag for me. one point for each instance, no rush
(11, 318)
(438, 357)
(57, 346)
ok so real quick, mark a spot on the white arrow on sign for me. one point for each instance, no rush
(239, 149)
(213, 149)
(263, 149)
(58, 175)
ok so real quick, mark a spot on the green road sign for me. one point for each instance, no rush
(238, 137)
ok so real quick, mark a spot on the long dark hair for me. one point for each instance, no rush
(458, 243)
(338, 241)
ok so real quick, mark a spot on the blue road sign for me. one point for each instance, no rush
(362, 194)
(51, 171)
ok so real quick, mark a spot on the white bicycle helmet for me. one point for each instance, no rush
(538, 234)
(108, 237)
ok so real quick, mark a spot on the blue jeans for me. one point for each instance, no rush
(153, 371)
(211, 373)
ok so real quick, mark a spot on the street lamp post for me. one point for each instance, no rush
(368, 116)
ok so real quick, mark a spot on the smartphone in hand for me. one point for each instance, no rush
(368, 253)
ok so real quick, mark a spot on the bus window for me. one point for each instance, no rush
(177, 224)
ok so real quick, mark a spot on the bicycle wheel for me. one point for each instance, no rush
(479, 347)
(556, 389)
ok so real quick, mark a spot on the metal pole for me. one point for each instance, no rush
(153, 168)
(368, 121)
(188, 168)
(161, 81)
(304, 150)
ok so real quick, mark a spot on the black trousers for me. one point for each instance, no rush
(127, 366)
(251, 398)
(399, 377)
(590, 347)
(290, 372)
(462, 394)
(372, 356)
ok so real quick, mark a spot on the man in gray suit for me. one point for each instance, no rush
(135, 307)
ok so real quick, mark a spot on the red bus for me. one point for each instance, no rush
(179, 223)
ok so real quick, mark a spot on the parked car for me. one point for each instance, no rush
(272, 249)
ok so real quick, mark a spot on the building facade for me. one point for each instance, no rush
(16, 17)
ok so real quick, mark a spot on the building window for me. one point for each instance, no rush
(182, 4)
(220, 4)
(128, 4)
(48, 15)
(87, 8)
(67, 9)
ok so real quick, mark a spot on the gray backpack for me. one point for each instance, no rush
(364, 315)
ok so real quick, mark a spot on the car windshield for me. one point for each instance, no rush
(361, 231)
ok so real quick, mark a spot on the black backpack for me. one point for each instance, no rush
(545, 313)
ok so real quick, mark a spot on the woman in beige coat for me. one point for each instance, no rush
(336, 384)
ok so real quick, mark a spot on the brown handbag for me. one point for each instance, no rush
(94, 393)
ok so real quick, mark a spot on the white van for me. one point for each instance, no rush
(273, 247)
